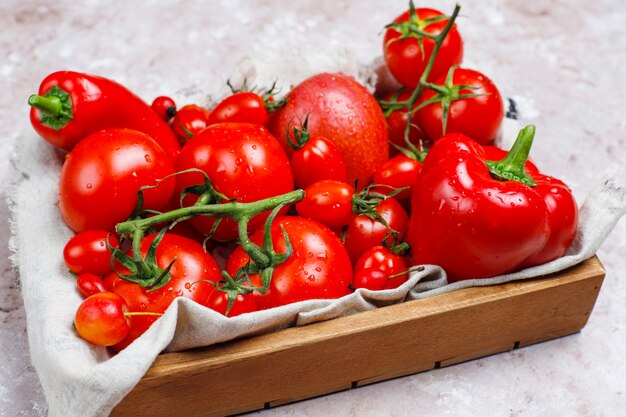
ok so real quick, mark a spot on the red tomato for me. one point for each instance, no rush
(397, 120)
(102, 174)
(100, 319)
(329, 202)
(87, 252)
(371, 278)
(165, 107)
(364, 232)
(243, 161)
(379, 257)
(319, 159)
(90, 284)
(244, 303)
(398, 172)
(189, 121)
(342, 111)
(319, 267)
(477, 117)
(406, 59)
(192, 265)
(242, 107)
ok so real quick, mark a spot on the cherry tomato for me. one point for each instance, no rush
(243, 161)
(90, 284)
(407, 60)
(318, 268)
(189, 121)
(87, 252)
(397, 119)
(371, 278)
(192, 266)
(244, 303)
(342, 111)
(100, 319)
(102, 174)
(241, 107)
(329, 202)
(165, 107)
(364, 232)
(478, 117)
(319, 159)
(398, 172)
(379, 257)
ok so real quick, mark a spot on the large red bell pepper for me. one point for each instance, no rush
(478, 218)
(71, 105)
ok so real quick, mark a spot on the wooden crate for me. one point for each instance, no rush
(348, 352)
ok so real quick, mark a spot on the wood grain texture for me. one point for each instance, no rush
(320, 358)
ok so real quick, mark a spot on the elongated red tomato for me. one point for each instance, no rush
(342, 111)
(87, 252)
(318, 268)
(329, 202)
(192, 267)
(241, 107)
(102, 174)
(243, 161)
(407, 58)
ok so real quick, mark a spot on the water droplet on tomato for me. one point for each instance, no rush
(142, 306)
(311, 278)
(318, 269)
(187, 285)
(147, 158)
(89, 186)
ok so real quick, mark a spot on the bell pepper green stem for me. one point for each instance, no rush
(51, 105)
(512, 167)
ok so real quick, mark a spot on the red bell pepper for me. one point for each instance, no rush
(71, 105)
(478, 218)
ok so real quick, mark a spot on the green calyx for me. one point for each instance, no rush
(513, 166)
(301, 135)
(55, 107)
(446, 94)
(269, 96)
(414, 27)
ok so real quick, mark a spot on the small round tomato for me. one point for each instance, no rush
(165, 107)
(241, 107)
(244, 303)
(318, 268)
(329, 202)
(478, 117)
(90, 284)
(407, 58)
(191, 268)
(243, 161)
(371, 278)
(87, 252)
(319, 159)
(189, 121)
(397, 119)
(398, 172)
(365, 232)
(100, 319)
(102, 174)
(381, 258)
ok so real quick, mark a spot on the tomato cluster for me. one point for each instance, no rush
(319, 189)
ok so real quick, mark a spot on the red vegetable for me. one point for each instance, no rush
(319, 266)
(481, 219)
(342, 111)
(465, 101)
(71, 106)
(165, 107)
(383, 259)
(90, 284)
(328, 202)
(243, 161)
(407, 53)
(102, 174)
(189, 121)
(397, 118)
(87, 252)
(240, 107)
(398, 172)
(371, 278)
